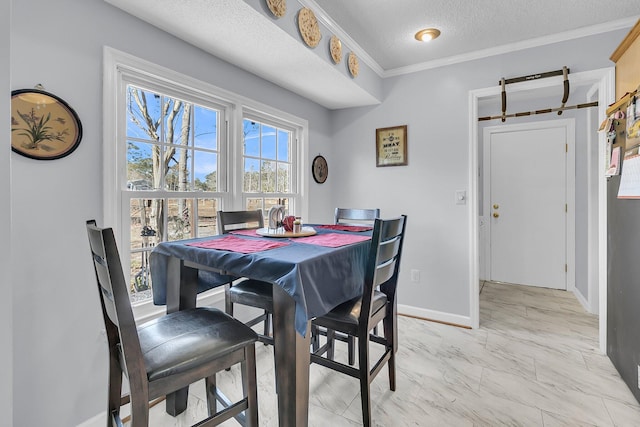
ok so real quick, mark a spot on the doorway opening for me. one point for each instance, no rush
(593, 84)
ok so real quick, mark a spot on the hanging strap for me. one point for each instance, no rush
(504, 100)
(565, 97)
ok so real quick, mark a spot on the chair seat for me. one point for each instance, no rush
(344, 317)
(185, 340)
(254, 293)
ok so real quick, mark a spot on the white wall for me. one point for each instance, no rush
(433, 104)
(60, 365)
(6, 283)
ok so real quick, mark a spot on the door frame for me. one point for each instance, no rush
(570, 187)
(604, 80)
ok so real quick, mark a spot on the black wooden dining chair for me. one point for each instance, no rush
(169, 353)
(348, 216)
(360, 315)
(249, 292)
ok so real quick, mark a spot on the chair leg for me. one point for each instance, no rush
(115, 386)
(351, 345)
(315, 338)
(331, 343)
(228, 305)
(250, 386)
(365, 378)
(267, 324)
(139, 411)
(390, 326)
(211, 389)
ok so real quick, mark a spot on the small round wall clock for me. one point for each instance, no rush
(319, 169)
(43, 126)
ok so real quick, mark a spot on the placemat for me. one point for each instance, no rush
(236, 244)
(332, 240)
(339, 227)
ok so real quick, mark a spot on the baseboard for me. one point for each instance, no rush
(97, 421)
(582, 300)
(436, 316)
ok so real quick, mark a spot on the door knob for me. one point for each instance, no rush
(496, 206)
(496, 214)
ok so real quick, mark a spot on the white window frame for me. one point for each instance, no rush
(294, 195)
(121, 69)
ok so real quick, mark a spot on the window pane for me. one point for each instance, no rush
(140, 277)
(146, 222)
(251, 175)
(284, 177)
(179, 220)
(177, 121)
(140, 165)
(268, 176)
(283, 145)
(178, 176)
(268, 142)
(205, 128)
(143, 114)
(207, 217)
(205, 171)
(254, 204)
(271, 202)
(251, 132)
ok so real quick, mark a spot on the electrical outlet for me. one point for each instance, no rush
(415, 276)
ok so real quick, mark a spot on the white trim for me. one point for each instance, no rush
(96, 421)
(581, 299)
(604, 78)
(120, 68)
(438, 316)
(513, 47)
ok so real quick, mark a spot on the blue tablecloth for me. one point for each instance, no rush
(317, 278)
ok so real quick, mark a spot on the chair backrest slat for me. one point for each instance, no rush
(348, 216)
(239, 220)
(383, 263)
(114, 298)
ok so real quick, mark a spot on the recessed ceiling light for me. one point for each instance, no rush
(427, 34)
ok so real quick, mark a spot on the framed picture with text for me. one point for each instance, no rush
(391, 146)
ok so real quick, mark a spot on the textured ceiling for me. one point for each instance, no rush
(385, 29)
(380, 32)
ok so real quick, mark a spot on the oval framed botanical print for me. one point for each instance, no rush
(320, 169)
(43, 126)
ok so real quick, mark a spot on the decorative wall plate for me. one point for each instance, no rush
(277, 7)
(335, 47)
(308, 26)
(43, 126)
(354, 67)
(319, 169)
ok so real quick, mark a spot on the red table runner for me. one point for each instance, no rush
(236, 244)
(332, 240)
(339, 227)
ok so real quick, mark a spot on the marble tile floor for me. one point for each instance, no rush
(534, 361)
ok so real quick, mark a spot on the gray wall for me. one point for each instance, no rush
(434, 105)
(60, 356)
(6, 288)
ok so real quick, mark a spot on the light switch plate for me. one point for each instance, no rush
(461, 197)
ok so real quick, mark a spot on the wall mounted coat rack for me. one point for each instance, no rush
(565, 97)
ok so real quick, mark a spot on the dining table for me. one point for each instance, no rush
(310, 273)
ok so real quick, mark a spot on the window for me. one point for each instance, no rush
(177, 150)
(268, 166)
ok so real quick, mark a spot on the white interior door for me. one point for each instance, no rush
(527, 207)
